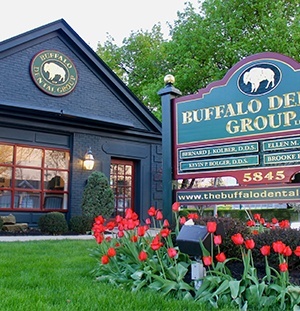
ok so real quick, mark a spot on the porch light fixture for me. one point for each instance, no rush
(89, 161)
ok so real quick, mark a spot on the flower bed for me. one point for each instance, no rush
(132, 258)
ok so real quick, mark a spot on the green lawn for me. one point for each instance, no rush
(55, 275)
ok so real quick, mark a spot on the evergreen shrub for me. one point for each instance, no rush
(81, 224)
(53, 223)
(98, 197)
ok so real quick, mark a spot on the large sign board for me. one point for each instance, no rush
(246, 125)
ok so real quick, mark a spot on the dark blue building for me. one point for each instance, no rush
(60, 103)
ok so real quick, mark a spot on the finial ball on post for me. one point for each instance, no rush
(169, 79)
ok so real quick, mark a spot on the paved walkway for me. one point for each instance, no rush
(44, 237)
(24, 238)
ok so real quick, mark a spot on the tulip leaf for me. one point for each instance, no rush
(234, 288)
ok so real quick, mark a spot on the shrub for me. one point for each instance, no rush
(1, 223)
(98, 197)
(81, 224)
(231, 226)
(288, 236)
(53, 223)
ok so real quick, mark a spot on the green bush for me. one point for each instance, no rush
(98, 197)
(53, 223)
(81, 224)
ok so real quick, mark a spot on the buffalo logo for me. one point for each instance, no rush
(54, 73)
(259, 79)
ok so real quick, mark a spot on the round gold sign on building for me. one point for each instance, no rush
(53, 72)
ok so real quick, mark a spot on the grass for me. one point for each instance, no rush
(56, 275)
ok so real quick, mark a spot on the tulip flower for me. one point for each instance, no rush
(217, 239)
(297, 251)
(159, 215)
(221, 257)
(111, 252)
(175, 207)
(283, 267)
(152, 211)
(237, 239)
(207, 260)
(211, 226)
(265, 250)
(172, 252)
(104, 259)
(142, 256)
(249, 244)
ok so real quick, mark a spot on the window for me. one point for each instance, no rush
(31, 176)
(122, 183)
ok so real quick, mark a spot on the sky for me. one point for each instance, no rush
(91, 19)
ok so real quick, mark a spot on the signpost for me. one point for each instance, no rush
(246, 126)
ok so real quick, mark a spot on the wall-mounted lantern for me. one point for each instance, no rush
(89, 161)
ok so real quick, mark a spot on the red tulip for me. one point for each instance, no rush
(128, 213)
(221, 257)
(110, 225)
(165, 232)
(105, 260)
(207, 260)
(143, 256)
(111, 252)
(148, 221)
(237, 239)
(218, 239)
(283, 267)
(284, 224)
(287, 251)
(193, 216)
(134, 239)
(120, 234)
(172, 252)
(211, 226)
(278, 247)
(250, 223)
(182, 220)
(159, 215)
(249, 244)
(297, 251)
(141, 230)
(152, 211)
(156, 243)
(166, 223)
(265, 250)
(256, 216)
(175, 207)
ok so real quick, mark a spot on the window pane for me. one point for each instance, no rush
(5, 199)
(54, 180)
(28, 178)
(5, 177)
(6, 154)
(28, 199)
(56, 159)
(29, 156)
(128, 169)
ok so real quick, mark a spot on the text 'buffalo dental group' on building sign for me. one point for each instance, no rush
(246, 125)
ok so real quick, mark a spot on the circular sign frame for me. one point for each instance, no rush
(53, 72)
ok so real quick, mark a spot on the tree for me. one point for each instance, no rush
(139, 63)
(98, 197)
(205, 43)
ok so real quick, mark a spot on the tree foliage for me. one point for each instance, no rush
(204, 44)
